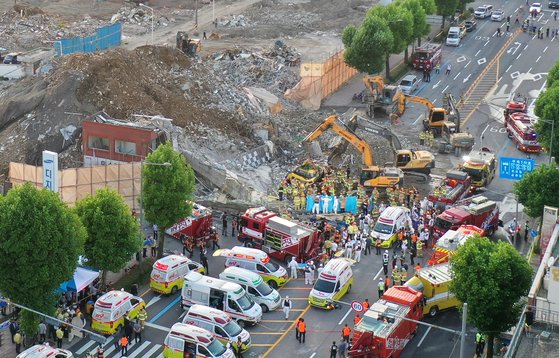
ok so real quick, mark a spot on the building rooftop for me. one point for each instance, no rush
(138, 121)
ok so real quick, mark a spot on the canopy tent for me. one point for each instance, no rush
(82, 278)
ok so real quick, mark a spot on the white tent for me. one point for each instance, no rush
(82, 278)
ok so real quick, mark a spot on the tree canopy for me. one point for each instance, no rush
(553, 75)
(537, 189)
(429, 6)
(547, 109)
(491, 278)
(446, 8)
(41, 241)
(420, 26)
(167, 189)
(113, 235)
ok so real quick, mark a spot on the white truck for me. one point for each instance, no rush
(454, 36)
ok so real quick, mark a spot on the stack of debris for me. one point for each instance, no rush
(234, 21)
(139, 16)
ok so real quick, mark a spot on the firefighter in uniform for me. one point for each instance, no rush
(419, 248)
(396, 276)
(404, 275)
(281, 191)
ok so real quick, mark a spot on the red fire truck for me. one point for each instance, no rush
(455, 187)
(518, 104)
(282, 239)
(427, 56)
(477, 210)
(520, 129)
(447, 245)
(385, 328)
(197, 225)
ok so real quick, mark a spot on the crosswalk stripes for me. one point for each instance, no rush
(134, 349)
(86, 347)
(139, 350)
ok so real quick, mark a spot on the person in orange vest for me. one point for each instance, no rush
(366, 305)
(356, 319)
(386, 282)
(417, 268)
(345, 333)
(302, 328)
(124, 345)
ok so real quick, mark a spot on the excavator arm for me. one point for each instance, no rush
(343, 131)
(420, 100)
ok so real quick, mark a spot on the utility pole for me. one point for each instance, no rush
(463, 334)
(196, 15)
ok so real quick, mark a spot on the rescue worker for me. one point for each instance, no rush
(385, 259)
(124, 345)
(18, 339)
(334, 350)
(238, 347)
(346, 332)
(403, 275)
(396, 276)
(417, 268)
(286, 306)
(419, 248)
(293, 266)
(356, 319)
(302, 328)
(309, 273)
(380, 286)
(386, 282)
(366, 305)
(142, 317)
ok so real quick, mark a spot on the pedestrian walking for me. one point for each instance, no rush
(508, 27)
(342, 347)
(448, 68)
(302, 330)
(14, 327)
(128, 329)
(547, 32)
(429, 75)
(214, 238)
(380, 287)
(346, 332)
(526, 229)
(297, 333)
(204, 262)
(286, 306)
(508, 18)
(137, 331)
(42, 330)
(116, 341)
(124, 345)
(555, 15)
(204, 36)
(334, 350)
(516, 21)
(224, 225)
(18, 339)
(293, 267)
(368, 244)
(234, 225)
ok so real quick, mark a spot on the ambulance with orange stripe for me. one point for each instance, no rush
(256, 261)
(111, 308)
(167, 275)
(447, 245)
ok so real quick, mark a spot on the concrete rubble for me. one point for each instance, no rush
(234, 21)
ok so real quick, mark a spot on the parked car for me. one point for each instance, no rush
(483, 11)
(537, 7)
(498, 15)
(409, 84)
(553, 4)
(471, 25)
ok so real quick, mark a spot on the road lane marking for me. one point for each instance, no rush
(379, 271)
(534, 37)
(85, 347)
(458, 74)
(276, 320)
(529, 70)
(261, 344)
(153, 350)
(538, 58)
(482, 133)
(508, 68)
(153, 300)
(297, 288)
(298, 298)
(525, 47)
(545, 49)
(156, 326)
(520, 54)
(276, 343)
(278, 333)
(312, 355)
(165, 310)
(485, 44)
(444, 90)
(424, 335)
(477, 53)
(433, 101)
(139, 349)
(345, 316)
(145, 292)
(467, 64)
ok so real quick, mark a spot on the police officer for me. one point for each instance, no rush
(333, 350)
(385, 259)
(380, 286)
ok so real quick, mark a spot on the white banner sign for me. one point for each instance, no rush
(50, 170)
(548, 224)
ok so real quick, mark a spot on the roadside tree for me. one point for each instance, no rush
(167, 190)
(537, 189)
(41, 241)
(113, 235)
(429, 6)
(547, 108)
(446, 8)
(365, 45)
(420, 26)
(492, 278)
(553, 75)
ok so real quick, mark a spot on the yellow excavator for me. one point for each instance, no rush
(443, 122)
(381, 96)
(371, 174)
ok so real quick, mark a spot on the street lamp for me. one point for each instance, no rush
(551, 139)
(152, 17)
(142, 163)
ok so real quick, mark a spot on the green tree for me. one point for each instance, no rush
(547, 109)
(420, 26)
(113, 235)
(462, 4)
(366, 48)
(167, 190)
(537, 189)
(41, 241)
(446, 8)
(429, 6)
(491, 278)
(553, 75)
(348, 34)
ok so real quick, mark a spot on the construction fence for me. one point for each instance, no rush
(319, 80)
(105, 37)
(77, 183)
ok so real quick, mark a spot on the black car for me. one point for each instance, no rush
(471, 24)
(553, 4)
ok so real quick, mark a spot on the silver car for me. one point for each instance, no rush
(498, 15)
(409, 84)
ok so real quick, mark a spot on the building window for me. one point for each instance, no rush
(98, 143)
(124, 147)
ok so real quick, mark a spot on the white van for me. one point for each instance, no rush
(218, 323)
(110, 309)
(45, 351)
(334, 281)
(268, 298)
(226, 296)
(453, 37)
(390, 221)
(256, 261)
(185, 340)
(168, 273)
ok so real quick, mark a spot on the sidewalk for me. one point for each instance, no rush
(343, 97)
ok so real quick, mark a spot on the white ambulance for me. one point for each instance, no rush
(168, 273)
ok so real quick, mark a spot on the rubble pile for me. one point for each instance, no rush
(234, 21)
(140, 16)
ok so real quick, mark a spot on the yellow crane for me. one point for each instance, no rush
(371, 174)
